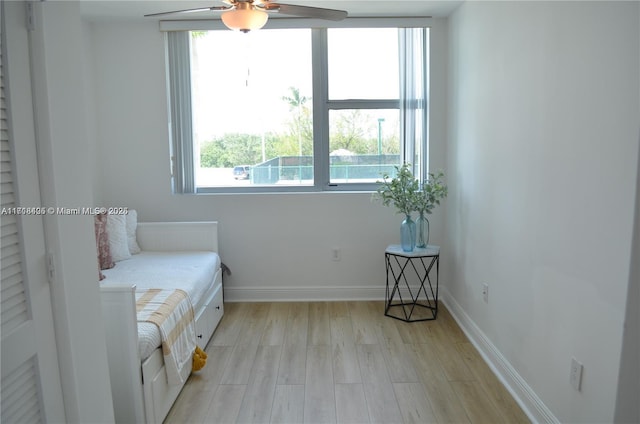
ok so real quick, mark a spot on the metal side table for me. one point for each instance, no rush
(411, 295)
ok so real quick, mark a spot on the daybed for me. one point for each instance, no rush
(173, 255)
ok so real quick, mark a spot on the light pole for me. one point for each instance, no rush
(380, 121)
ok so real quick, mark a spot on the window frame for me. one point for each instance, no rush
(321, 103)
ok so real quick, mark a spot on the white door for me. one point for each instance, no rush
(31, 389)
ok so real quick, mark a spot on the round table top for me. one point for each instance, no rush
(430, 250)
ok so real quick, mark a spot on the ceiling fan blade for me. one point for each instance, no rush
(199, 9)
(305, 11)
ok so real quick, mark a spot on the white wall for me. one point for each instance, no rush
(65, 181)
(277, 246)
(627, 406)
(543, 142)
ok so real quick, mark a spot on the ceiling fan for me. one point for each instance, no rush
(246, 15)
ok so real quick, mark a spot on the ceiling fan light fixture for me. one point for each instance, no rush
(244, 17)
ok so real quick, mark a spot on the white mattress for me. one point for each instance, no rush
(192, 272)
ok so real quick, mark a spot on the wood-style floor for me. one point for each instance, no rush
(344, 362)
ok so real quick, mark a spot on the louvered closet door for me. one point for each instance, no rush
(31, 390)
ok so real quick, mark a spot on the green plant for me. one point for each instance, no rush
(407, 194)
(401, 190)
(432, 191)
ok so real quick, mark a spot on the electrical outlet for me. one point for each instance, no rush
(336, 254)
(485, 293)
(575, 377)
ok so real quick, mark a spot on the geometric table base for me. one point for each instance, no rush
(412, 302)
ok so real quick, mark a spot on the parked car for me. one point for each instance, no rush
(241, 172)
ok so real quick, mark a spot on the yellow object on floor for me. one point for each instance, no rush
(199, 359)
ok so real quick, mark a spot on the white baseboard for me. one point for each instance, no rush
(302, 294)
(531, 404)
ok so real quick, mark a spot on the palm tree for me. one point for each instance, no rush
(297, 105)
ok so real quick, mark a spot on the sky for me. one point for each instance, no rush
(244, 76)
(239, 79)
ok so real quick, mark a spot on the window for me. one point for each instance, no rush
(295, 109)
(251, 106)
(363, 103)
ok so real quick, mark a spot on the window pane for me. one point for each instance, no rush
(363, 63)
(252, 107)
(364, 143)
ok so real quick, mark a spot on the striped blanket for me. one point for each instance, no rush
(172, 312)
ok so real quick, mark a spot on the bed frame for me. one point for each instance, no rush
(141, 393)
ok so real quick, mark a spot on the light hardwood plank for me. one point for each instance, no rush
(479, 407)
(319, 397)
(399, 364)
(376, 308)
(345, 359)
(191, 406)
(381, 403)
(492, 386)
(288, 404)
(341, 330)
(229, 327)
(193, 401)
(373, 368)
(297, 327)
(413, 403)
(346, 368)
(338, 310)
(443, 400)
(293, 364)
(254, 324)
(275, 326)
(413, 332)
(387, 331)
(449, 325)
(451, 360)
(351, 404)
(258, 396)
(319, 325)
(426, 363)
(362, 322)
(239, 365)
(225, 405)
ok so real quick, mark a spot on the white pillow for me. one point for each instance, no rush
(117, 230)
(132, 225)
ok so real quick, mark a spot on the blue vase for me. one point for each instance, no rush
(408, 234)
(422, 228)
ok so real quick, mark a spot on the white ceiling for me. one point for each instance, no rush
(135, 9)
